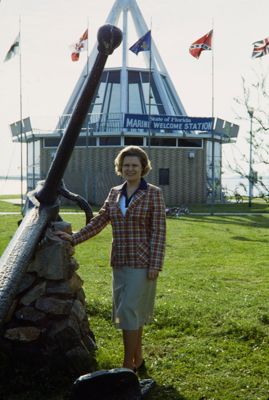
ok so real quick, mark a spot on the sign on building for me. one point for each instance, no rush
(167, 122)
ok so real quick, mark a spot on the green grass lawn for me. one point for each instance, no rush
(258, 206)
(210, 336)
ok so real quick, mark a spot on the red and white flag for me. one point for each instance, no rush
(81, 45)
(204, 43)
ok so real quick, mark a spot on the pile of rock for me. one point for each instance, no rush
(47, 322)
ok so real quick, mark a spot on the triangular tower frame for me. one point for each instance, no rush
(158, 69)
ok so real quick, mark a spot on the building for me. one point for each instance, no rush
(134, 106)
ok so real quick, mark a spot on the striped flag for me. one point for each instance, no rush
(14, 49)
(204, 43)
(261, 48)
(80, 46)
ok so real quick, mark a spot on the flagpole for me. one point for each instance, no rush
(213, 188)
(144, 44)
(87, 129)
(150, 77)
(20, 94)
(87, 46)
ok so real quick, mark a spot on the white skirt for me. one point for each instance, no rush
(133, 297)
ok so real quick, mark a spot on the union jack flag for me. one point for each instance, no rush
(204, 43)
(261, 48)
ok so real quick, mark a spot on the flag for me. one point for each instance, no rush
(14, 49)
(204, 43)
(261, 48)
(143, 44)
(81, 45)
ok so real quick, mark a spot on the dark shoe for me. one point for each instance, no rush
(141, 367)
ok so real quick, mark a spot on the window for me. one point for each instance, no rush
(136, 141)
(189, 142)
(139, 95)
(107, 97)
(156, 106)
(164, 142)
(171, 96)
(163, 176)
(84, 141)
(136, 100)
(51, 142)
(110, 141)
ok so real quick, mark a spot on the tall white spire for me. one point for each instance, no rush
(122, 11)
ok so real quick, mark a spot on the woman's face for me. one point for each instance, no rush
(132, 169)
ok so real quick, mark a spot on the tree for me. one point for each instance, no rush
(252, 107)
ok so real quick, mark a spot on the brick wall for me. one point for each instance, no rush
(187, 176)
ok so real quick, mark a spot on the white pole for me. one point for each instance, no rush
(87, 128)
(124, 73)
(150, 77)
(213, 194)
(250, 177)
(20, 94)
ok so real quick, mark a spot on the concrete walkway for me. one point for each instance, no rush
(13, 201)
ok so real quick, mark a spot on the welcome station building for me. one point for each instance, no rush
(133, 106)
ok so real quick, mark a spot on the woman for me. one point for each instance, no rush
(136, 212)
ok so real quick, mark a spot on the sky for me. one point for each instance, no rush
(48, 76)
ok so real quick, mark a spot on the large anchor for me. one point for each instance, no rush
(45, 201)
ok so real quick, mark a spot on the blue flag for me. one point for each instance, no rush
(143, 44)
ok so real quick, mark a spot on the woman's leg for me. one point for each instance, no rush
(138, 357)
(132, 341)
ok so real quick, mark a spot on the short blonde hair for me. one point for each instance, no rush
(132, 151)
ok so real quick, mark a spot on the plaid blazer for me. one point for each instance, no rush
(139, 236)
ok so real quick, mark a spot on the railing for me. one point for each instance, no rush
(112, 123)
(98, 123)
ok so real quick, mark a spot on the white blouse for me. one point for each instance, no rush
(123, 203)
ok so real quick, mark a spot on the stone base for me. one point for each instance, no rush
(47, 332)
